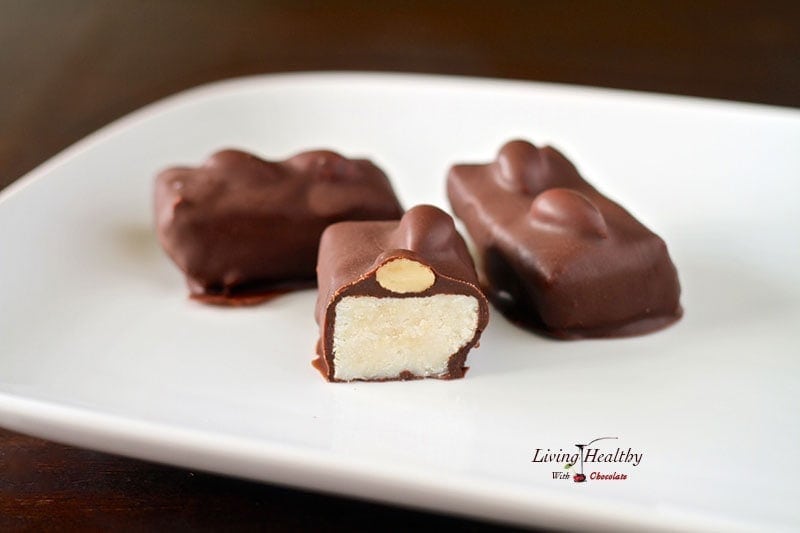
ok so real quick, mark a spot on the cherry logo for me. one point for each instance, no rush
(580, 477)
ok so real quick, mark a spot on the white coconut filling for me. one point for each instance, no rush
(379, 338)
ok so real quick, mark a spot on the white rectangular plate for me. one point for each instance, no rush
(100, 347)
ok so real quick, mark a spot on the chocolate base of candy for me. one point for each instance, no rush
(247, 295)
(527, 318)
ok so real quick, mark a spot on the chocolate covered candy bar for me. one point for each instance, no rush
(397, 300)
(242, 228)
(558, 256)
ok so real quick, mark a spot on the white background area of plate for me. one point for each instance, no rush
(100, 347)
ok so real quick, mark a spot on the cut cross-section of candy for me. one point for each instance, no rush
(397, 300)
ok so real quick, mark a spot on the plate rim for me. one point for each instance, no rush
(198, 92)
(376, 482)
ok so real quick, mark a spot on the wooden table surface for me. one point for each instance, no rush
(69, 67)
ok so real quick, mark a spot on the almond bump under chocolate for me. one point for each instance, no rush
(243, 229)
(397, 300)
(557, 256)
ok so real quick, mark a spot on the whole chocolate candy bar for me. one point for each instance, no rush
(558, 256)
(242, 228)
(397, 300)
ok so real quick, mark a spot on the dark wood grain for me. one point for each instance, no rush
(69, 67)
(47, 486)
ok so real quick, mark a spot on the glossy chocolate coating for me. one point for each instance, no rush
(351, 252)
(558, 256)
(242, 228)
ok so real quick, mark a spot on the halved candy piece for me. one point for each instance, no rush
(397, 300)
(242, 228)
